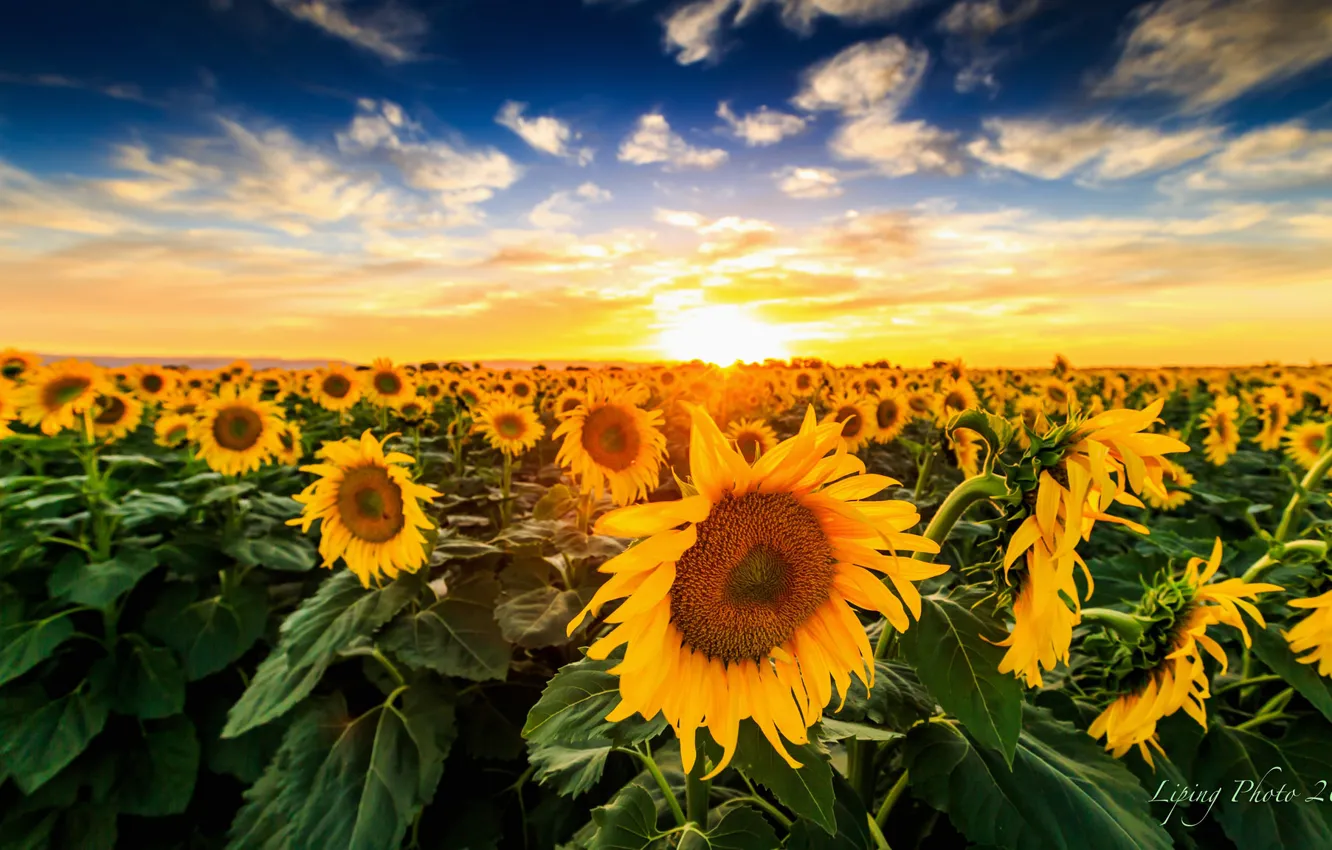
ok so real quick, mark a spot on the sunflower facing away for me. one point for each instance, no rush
(370, 509)
(736, 603)
(237, 432)
(54, 395)
(509, 426)
(753, 438)
(1274, 409)
(612, 443)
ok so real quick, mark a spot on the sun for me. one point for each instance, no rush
(721, 334)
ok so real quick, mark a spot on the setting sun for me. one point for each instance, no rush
(722, 335)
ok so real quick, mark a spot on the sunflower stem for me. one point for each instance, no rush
(1312, 479)
(1127, 626)
(923, 472)
(1266, 562)
(964, 495)
(894, 793)
(697, 790)
(653, 768)
(506, 487)
(880, 843)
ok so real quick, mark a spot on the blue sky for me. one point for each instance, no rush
(911, 179)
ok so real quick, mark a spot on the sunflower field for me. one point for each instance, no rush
(768, 606)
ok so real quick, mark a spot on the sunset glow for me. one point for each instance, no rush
(722, 335)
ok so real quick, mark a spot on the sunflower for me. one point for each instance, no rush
(804, 383)
(1221, 424)
(966, 446)
(237, 432)
(371, 516)
(54, 395)
(920, 404)
(511, 427)
(611, 442)
(1274, 408)
(115, 415)
(471, 394)
(1178, 680)
(1313, 634)
(567, 402)
(336, 387)
(8, 410)
(291, 451)
(387, 385)
(1174, 496)
(153, 383)
(172, 429)
(413, 411)
(14, 364)
(736, 604)
(955, 397)
(890, 415)
(522, 389)
(856, 413)
(753, 438)
(1304, 443)
(1056, 395)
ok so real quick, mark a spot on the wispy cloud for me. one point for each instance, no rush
(1098, 147)
(761, 127)
(393, 32)
(544, 133)
(118, 91)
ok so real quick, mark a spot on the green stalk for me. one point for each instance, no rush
(923, 473)
(655, 770)
(1312, 479)
(1128, 626)
(697, 790)
(880, 843)
(894, 793)
(1266, 562)
(506, 487)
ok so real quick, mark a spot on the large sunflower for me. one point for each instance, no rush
(115, 415)
(237, 432)
(511, 427)
(54, 395)
(612, 443)
(371, 516)
(387, 385)
(335, 387)
(752, 437)
(736, 604)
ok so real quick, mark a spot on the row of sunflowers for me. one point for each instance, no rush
(875, 606)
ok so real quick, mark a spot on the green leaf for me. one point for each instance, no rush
(285, 554)
(627, 822)
(952, 657)
(571, 768)
(555, 503)
(538, 617)
(1308, 748)
(741, 828)
(832, 729)
(1275, 652)
(225, 492)
(211, 633)
(457, 635)
(852, 825)
(808, 791)
(91, 827)
(36, 745)
(573, 708)
(310, 639)
(149, 681)
(129, 460)
(996, 431)
(160, 776)
(453, 547)
(1063, 790)
(897, 700)
(25, 645)
(136, 508)
(101, 583)
(1236, 761)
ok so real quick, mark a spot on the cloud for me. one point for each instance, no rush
(808, 183)
(897, 148)
(653, 141)
(762, 127)
(1281, 156)
(118, 91)
(693, 32)
(544, 133)
(1209, 52)
(561, 209)
(679, 218)
(1105, 150)
(392, 32)
(970, 27)
(881, 74)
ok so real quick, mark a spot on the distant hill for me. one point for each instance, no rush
(112, 361)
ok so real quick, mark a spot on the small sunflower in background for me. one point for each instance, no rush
(1056, 395)
(920, 403)
(856, 413)
(1221, 422)
(508, 426)
(804, 383)
(386, 385)
(413, 411)
(369, 510)
(890, 415)
(523, 390)
(291, 450)
(1274, 407)
(8, 409)
(953, 398)
(753, 438)
(116, 415)
(153, 383)
(471, 394)
(966, 445)
(610, 442)
(336, 387)
(53, 396)
(567, 402)
(1313, 634)
(237, 432)
(1174, 492)
(15, 364)
(172, 429)
(1304, 443)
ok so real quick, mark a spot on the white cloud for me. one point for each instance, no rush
(1282, 156)
(800, 15)
(561, 209)
(897, 148)
(694, 31)
(970, 26)
(653, 141)
(544, 133)
(881, 74)
(1209, 52)
(392, 32)
(762, 127)
(678, 218)
(1108, 150)
(808, 183)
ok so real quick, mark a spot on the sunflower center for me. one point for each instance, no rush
(919, 404)
(887, 412)
(113, 410)
(336, 386)
(850, 419)
(63, 390)
(237, 428)
(176, 434)
(955, 400)
(509, 426)
(388, 383)
(522, 390)
(1057, 394)
(370, 504)
(762, 565)
(12, 368)
(151, 383)
(802, 382)
(611, 438)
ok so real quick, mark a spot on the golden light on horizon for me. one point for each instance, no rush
(721, 334)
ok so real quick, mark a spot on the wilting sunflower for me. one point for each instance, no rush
(890, 415)
(1223, 435)
(612, 443)
(172, 429)
(1178, 680)
(1274, 408)
(291, 451)
(237, 432)
(336, 387)
(736, 604)
(1304, 443)
(115, 415)
(1313, 634)
(371, 516)
(753, 438)
(153, 383)
(387, 385)
(1176, 493)
(14, 363)
(511, 427)
(856, 414)
(54, 395)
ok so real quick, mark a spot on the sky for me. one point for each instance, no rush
(910, 180)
